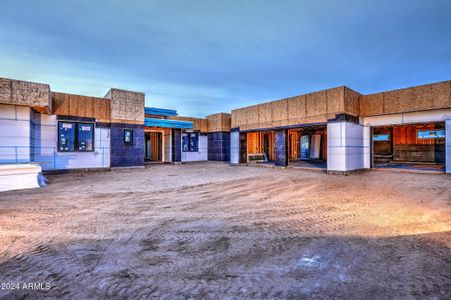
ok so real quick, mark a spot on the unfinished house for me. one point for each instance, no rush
(340, 130)
(51, 131)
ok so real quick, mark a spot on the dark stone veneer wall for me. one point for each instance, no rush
(281, 147)
(219, 146)
(123, 155)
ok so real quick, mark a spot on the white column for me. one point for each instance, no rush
(448, 146)
(235, 147)
(348, 147)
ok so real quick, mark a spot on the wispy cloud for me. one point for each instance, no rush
(201, 57)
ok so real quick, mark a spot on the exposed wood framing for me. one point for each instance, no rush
(256, 143)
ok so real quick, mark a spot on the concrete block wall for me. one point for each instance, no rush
(219, 146)
(348, 147)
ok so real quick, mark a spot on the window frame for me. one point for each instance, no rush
(131, 137)
(382, 134)
(76, 142)
(432, 138)
(188, 136)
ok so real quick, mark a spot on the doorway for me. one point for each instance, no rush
(153, 146)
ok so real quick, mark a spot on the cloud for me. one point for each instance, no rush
(201, 57)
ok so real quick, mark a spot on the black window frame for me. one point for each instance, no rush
(76, 144)
(188, 136)
(131, 136)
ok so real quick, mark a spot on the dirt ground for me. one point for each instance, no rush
(211, 230)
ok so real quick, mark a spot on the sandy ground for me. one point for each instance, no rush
(215, 231)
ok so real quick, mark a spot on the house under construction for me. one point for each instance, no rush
(337, 130)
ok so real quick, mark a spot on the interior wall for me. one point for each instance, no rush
(404, 144)
(408, 147)
(294, 142)
(256, 143)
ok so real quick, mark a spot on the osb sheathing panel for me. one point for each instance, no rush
(316, 103)
(198, 123)
(225, 122)
(252, 116)
(264, 115)
(25, 93)
(425, 97)
(310, 108)
(296, 108)
(219, 122)
(279, 113)
(372, 104)
(81, 106)
(126, 106)
(351, 102)
(335, 100)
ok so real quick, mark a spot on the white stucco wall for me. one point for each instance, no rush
(15, 134)
(201, 155)
(348, 147)
(46, 151)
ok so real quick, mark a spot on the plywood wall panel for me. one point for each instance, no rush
(372, 104)
(280, 112)
(199, 124)
(351, 102)
(264, 115)
(335, 100)
(296, 109)
(252, 116)
(239, 117)
(81, 106)
(219, 122)
(425, 97)
(316, 103)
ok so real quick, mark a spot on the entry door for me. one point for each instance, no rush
(155, 147)
(305, 149)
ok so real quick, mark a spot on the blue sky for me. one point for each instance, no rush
(202, 57)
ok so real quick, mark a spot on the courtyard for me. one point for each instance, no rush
(211, 230)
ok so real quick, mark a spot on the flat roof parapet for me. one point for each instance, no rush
(126, 106)
(33, 94)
